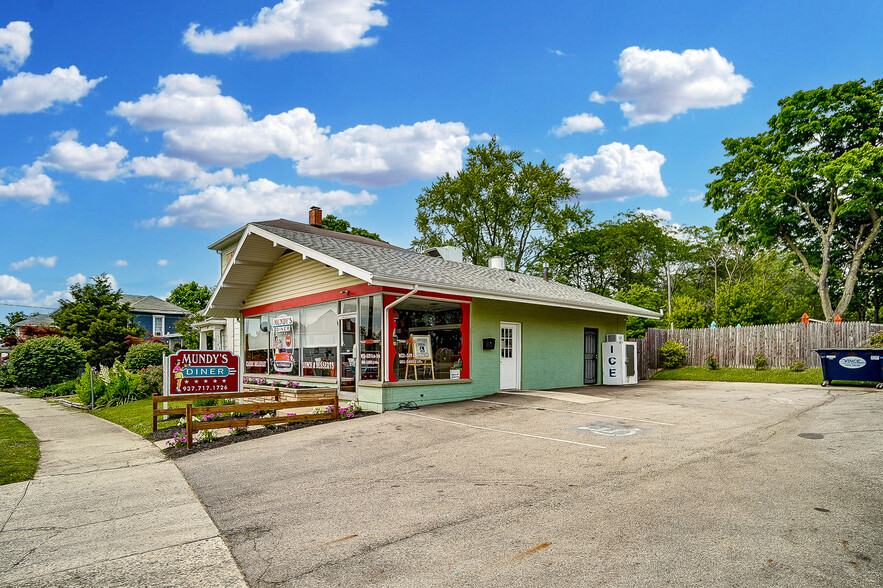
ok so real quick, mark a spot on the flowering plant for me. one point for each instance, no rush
(205, 435)
(236, 431)
(179, 440)
(711, 362)
(269, 426)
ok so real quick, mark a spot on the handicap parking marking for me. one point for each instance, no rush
(607, 416)
(609, 429)
(782, 400)
(423, 416)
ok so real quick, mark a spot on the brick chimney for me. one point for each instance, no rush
(316, 216)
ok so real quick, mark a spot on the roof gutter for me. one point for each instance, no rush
(384, 349)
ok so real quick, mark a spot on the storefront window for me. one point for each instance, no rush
(319, 332)
(370, 326)
(257, 344)
(285, 352)
(429, 344)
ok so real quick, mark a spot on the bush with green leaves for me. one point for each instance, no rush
(149, 381)
(760, 362)
(88, 381)
(145, 355)
(44, 361)
(673, 354)
(6, 380)
(711, 361)
(876, 339)
(122, 387)
(798, 365)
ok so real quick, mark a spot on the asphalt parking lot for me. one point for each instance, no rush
(663, 483)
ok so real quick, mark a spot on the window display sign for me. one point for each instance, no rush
(283, 330)
(202, 372)
(422, 347)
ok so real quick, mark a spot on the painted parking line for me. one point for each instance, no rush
(423, 416)
(609, 416)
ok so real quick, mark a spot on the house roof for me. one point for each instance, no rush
(260, 244)
(38, 320)
(151, 304)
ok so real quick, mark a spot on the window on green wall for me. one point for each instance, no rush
(429, 343)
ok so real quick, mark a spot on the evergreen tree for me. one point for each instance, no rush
(98, 321)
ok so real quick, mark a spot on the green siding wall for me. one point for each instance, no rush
(551, 354)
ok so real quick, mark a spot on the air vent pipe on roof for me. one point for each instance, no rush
(497, 262)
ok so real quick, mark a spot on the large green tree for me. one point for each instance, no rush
(811, 184)
(192, 296)
(498, 204)
(332, 223)
(98, 320)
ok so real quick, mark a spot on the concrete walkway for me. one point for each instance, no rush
(104, 509)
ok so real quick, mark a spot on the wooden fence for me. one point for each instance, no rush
(781, 344)
(326, 397)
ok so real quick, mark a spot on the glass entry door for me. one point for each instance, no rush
(347, 354)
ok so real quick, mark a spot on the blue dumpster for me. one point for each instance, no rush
(852, 365)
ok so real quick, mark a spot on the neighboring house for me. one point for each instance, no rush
(388, 325)
(38, 320)
(157, 316)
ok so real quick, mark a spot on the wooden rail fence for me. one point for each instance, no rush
(781, 344)
(327, 397)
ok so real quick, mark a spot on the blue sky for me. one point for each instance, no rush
(135, 134)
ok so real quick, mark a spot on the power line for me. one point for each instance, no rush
(27, 306)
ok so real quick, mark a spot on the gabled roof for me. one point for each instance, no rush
(260, 244)
(38, 320)
(151, 305)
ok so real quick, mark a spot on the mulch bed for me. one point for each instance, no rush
(176, 452)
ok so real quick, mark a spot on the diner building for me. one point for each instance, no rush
(390, 326)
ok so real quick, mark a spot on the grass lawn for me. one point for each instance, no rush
(136, 416)
(19, 449)
(810, 376)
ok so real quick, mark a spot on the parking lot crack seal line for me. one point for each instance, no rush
(421, 416)
(609, 416)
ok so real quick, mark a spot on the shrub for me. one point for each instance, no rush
(145, 355)
(121, 388)
(760, 361)
(41, 362)
(797, 365)
(67, 388)
(6, 380)
(876, 339)
(673, 354)
(83, 390)
(149, 381)
(711, 362)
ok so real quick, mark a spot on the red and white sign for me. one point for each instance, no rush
(203, 372)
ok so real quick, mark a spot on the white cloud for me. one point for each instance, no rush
(13, 290)
(481, 137)
(660, 213)
(656, 85)
(557, 52)
(172, 169)
(33, 185)
(81, 279)
(219, 206)
(293, 134)
(374, 156)
(120, 263)
(295, 25)
(75, 279)
(578, 123)
(616, 171)
(27, 92)
(15, 44)
(597, 97)
(94, 161)
(183, 100)
(162, 262)
(32, 261)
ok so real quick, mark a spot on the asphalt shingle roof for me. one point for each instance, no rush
(151, 304)
(391, 263)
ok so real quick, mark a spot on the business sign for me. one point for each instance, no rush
(203, 372)
(852, 362)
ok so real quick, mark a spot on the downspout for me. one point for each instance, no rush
(384, 350)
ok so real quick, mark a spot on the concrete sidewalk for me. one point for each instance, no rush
(104, 509)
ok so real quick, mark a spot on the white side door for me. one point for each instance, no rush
(510, 356)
